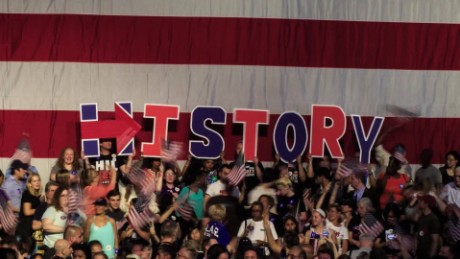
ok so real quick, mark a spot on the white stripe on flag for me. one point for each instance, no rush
(430, 11)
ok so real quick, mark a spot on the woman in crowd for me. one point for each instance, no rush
(334, 222)
(447, 171)
(102, 228)
(54, 220)
(95, 190)
(390, 185)
(170, 190)
(191, 199)
(215, 228)
(287, 199)
(29, 203)
(67, 160)
(318, 230)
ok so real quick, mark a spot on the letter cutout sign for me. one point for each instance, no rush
(286, 120)
(250, 120)
(366, 142)
(327, 135)
(215, 142)
(161, 114)
(123, 128)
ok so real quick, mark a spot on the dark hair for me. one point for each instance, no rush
(167, 249)
(215, 251)
(56, 197)
(291, 239)
(49, 184)
(425, 157)
(8, 253)
(325, 249)
(93, 243)
(392, 207)
(455, 154)
(113, 193)
(361, 174)
(75, 164)
(257, 203)
(82, 247)
(168, 228)
(100, 253)
(323, 171)
(271, 201)
(292, 218)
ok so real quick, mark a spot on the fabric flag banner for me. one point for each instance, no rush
(270, 55)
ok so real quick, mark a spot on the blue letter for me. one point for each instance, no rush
(366, 142)
(214, 144)
(286, 120)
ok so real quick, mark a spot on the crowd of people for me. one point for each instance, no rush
(121, 207)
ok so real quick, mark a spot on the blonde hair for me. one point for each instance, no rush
(91, 174)
(32, 191)
(217, 212)
(283, 182)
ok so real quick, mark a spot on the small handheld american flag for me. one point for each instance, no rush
(238, 171)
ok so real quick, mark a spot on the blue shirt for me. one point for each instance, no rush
(218, 231)
(14, 190)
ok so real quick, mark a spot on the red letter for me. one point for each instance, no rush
(250, 119)
(322, 134)
(160, 114)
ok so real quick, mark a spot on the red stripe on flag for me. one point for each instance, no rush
(230, 41)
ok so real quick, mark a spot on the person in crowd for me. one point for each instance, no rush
(94, 247)
(102, 228)
(221, 186)
(369, 222)
(334, 222)
(54, 220)
(69, 161)
(170, 189)
(366, 243)
(390, 185)
(451, 162)
(254, 228)
(37, 227)
(166, 252)
(72, 234)
(29, 203)
(427, 173)
(191, 198)
(80, 251)
(218, 251)
(428, 228)
(95, 190)
(113, 209)
(288, 201)
(14, 186)
(358, 182)
(186, 253)
(318, 230)
(62, 249)
(215, 228)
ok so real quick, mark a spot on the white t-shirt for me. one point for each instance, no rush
(341, 233)
(451, 194)
(59, 218)
(258, 233)
(218, 187)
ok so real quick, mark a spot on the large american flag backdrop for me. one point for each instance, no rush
(261, 54)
